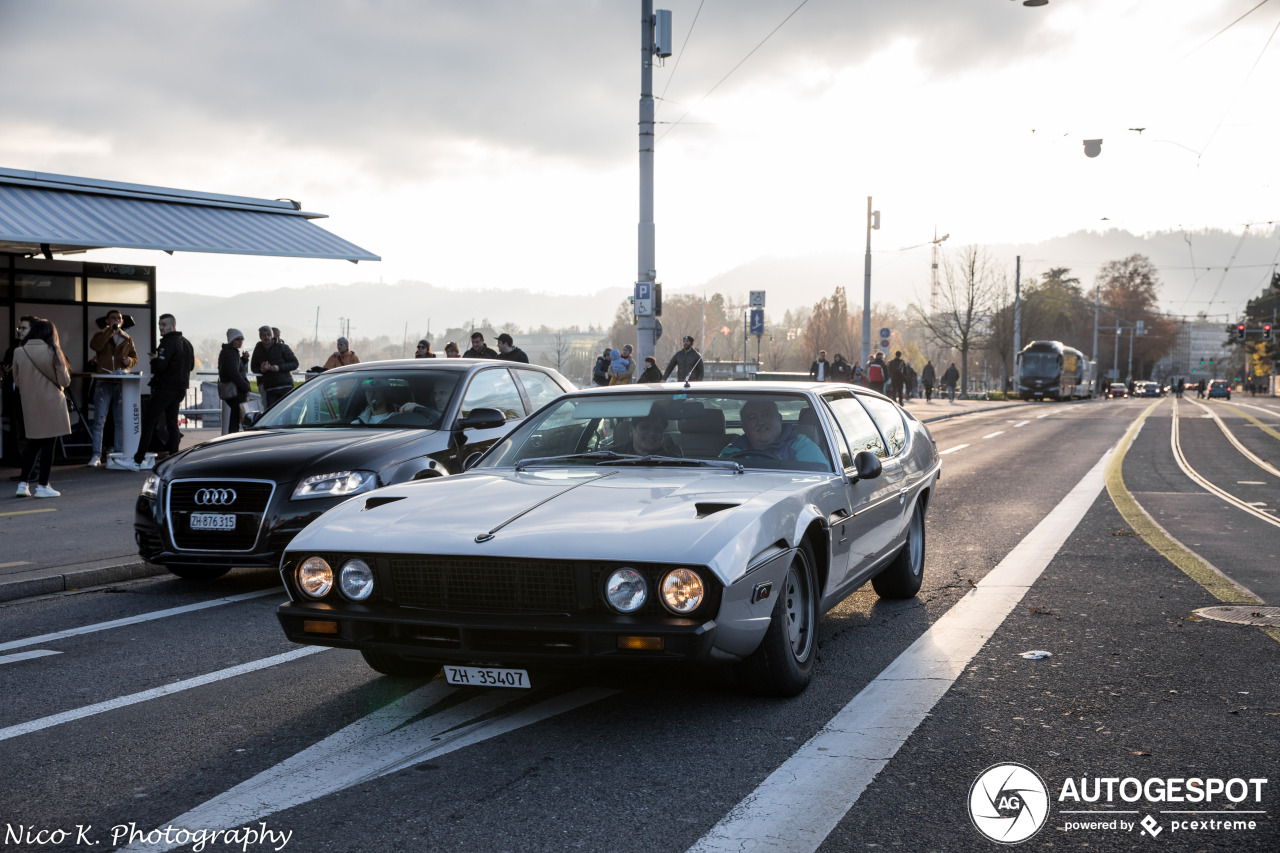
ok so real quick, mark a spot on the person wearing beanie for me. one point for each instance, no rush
(233, 367)
(342, 357)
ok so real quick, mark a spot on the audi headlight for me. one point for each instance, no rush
(682, 591)
(626, 590)
(335, 484)
(315, 577)
(151, 486)
(356, 580)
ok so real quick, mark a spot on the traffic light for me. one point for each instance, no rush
(657, 299)
(1266, 331)
(1202, 362)
(1240, 331)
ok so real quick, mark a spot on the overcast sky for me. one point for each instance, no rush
(493, 144)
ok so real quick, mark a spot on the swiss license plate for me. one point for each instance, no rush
(483, 676)
(213, 521)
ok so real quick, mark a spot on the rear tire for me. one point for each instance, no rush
(199, 573)
(395, 665)
(902, 577)
(782, 665)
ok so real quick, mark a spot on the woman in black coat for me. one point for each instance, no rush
(232, 368)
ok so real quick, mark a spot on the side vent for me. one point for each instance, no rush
(706, 509)
(374, 503)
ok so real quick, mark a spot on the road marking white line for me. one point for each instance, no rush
(156, 693)
(952, 449)
(133, 620)
(1021, 423)
(35, 653)
(1045, 415)
(798, 805)
(994, 434)
(1250, 483)
(384, 742)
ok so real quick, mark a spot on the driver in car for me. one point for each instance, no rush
(764, 433)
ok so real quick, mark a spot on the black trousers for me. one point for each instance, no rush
(164, 407)
(37, 449)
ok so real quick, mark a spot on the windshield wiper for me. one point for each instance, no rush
(594, 454)
(655, 459)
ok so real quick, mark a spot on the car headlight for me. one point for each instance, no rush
(315, 577)
(151, 487)
(335, 484)
(356, 580)
(626, 590)
(682, 591)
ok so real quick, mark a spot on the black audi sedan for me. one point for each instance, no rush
(238, 500)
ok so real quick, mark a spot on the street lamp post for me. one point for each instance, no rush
(873, 221)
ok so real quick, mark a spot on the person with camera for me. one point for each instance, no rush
(172, 361)
(113, 354)
(274, 363)
(233, 368)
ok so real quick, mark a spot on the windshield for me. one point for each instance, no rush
(391, 399)
(777, 431)
(1041, 364)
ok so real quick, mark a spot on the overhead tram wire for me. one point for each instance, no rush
(680, 120)
(1221, 31)
(1239, 88)
(685, 46)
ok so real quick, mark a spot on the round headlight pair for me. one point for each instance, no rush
(355, 579)
(682, 591)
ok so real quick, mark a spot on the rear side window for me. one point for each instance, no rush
(540, 387)
(858, 428)
(889, 419)
(493, 389)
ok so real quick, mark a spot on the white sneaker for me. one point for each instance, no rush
(129, 464)
(24, 490)
(46, 492)
(93, 461)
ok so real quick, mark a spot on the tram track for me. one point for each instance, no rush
(1204, 482)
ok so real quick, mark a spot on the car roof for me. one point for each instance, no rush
(457, 365)
(772, 386)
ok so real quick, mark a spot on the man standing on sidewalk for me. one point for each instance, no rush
(171, 366)
(274, 363)
(113, 353)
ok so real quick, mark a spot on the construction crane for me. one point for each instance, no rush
(933, 283)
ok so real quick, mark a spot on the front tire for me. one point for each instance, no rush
(782, 665)
(902, 577)
(392, 664)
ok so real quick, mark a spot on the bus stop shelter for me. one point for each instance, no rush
(48, 221)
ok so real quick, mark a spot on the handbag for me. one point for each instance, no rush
(228, 391)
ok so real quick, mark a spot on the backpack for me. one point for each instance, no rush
(875, 373)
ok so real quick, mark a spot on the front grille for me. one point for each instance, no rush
(486, 586)
(521, 587)
(248, 505)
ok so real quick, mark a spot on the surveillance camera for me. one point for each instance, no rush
(1092, 147)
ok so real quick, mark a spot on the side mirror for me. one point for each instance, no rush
(471, 461)
(480, 419)
(867, 465)
(250, 419)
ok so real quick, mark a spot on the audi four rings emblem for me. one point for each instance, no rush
(216, 497)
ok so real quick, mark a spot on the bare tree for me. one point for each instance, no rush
(967, 297)
(558, 358)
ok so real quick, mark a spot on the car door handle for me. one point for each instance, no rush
(838, 516)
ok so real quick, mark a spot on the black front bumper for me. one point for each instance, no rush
(496, 639)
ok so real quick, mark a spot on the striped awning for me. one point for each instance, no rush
(50, 214)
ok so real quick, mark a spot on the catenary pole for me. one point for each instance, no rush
(646, 267)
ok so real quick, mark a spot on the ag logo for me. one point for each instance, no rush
(1008, 803)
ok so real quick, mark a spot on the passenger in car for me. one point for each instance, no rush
(764, 432)
(649, 436)
(381, 405)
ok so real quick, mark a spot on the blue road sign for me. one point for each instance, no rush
(757, 321)
(884, 333)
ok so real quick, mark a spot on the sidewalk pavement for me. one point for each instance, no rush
(85, 537)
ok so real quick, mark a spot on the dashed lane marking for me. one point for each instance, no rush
(797, 806)
(20, 656)
(994, 434)
(133, 620)
(156, 693)
(1021, 423)
(952, 449)
(16, 563)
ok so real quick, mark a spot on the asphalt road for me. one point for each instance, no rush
(208, 718)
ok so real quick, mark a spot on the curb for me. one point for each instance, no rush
(78, 576)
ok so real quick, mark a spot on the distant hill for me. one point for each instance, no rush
(1211, 271)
